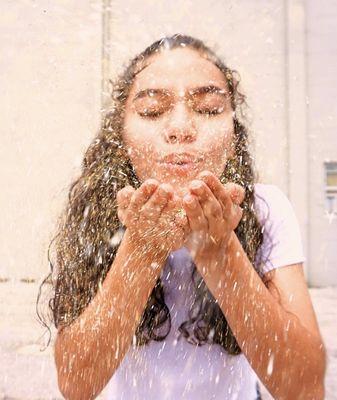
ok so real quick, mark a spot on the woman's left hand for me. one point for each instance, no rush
(213, 213)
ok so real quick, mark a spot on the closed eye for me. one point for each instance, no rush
(151, 114)
(153, 103)
(157, 114)
(209, 111)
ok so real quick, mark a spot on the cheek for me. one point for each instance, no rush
(140, 152)
(140, 147)
(141, 158)
(136, 136)
(217, 134)
(141, 131)
(217, 138)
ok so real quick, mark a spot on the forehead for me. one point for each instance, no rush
(178, 69)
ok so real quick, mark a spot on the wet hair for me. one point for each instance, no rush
(89, 231)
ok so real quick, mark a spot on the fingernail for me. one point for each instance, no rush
(152, 187)
(196, 185)
(204, 174)
(190, 201)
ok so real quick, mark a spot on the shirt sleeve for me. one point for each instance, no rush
(282, 241)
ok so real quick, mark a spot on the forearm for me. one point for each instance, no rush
(89, 351)
(288, 359)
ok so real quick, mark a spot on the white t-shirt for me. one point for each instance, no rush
(176, 369)
(283, 242)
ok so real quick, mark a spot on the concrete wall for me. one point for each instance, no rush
(286, 54)
(51, 79)
(250, 39)
(322, 135)
(265, 42)
(50, 82)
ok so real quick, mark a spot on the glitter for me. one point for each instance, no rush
(155, 265)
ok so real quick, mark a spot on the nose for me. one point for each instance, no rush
(180, 125)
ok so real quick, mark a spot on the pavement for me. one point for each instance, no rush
(27, 370)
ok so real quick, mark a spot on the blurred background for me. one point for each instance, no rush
(56, 64)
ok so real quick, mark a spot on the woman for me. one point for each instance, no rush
(168, 282)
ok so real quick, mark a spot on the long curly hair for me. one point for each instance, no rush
(89, 231)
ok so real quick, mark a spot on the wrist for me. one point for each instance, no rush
(143, 250)
(218, 255)
(231, 241)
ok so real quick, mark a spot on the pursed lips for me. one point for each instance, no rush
(180, 159)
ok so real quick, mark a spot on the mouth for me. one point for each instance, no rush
(178, 162)
(180, 167)
(180, 159)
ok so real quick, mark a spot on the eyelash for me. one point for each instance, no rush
(151, 115)
(156, 115)
(209, 112)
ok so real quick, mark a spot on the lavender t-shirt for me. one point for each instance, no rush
(176, 369)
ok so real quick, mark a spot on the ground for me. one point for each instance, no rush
(28, 373)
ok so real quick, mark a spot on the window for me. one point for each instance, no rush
(331, 186)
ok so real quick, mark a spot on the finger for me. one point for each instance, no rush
(237, 192)
(237, 214)
(209, 203)
(141, 196)
(154, 206)
(173, 203)
(123, 200)
(230, 196)
(124, 196)
(211, 207)
(175, 213)
(194, 212)
(220, 191)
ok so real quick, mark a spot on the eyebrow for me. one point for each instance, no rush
(198, 90)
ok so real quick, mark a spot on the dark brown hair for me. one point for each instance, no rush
(89, 230)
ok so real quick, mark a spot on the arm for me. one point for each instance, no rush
(288, 355)
(89, 351)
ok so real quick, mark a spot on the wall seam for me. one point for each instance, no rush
(308, 147)
(286, 94)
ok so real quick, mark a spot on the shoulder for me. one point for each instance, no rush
(282, 242)
(273, 207)
(270, 199)
(266, 189)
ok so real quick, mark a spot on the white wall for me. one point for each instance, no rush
(322, 134)
(51, 71)
(50, 78)
(257, 38)
(286, 54)
(248, 37)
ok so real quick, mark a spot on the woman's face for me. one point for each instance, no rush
(178, 111)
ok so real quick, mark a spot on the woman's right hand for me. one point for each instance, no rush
(152, 215)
